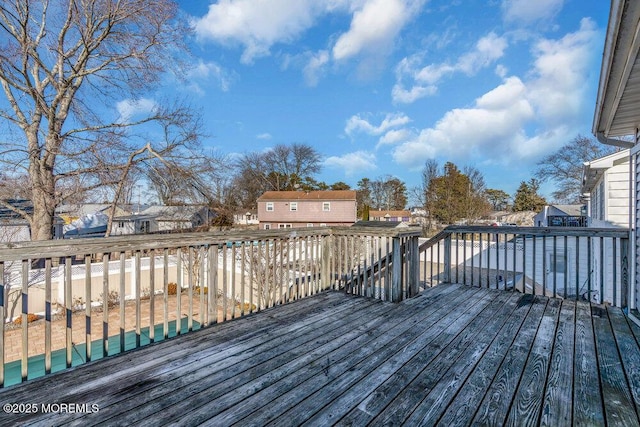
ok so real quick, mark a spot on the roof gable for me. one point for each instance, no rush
(308, 195)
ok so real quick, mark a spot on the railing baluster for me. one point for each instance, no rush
(122, 278)
(138, 298)
(566, 264)
(589, 268)
(601, 285)
(464, 258)
(233, 280)
(201, 287)
(68, 311)
(212, 295)
(25, 319)
(614, 265)
(47, 315)
(3, 315)
(106, 298)
(165, 293)
(152, 295)
(87, 307)
(190, 280)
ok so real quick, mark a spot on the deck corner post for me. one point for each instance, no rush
(624, 273)
(396, 270)
(414, 266)
(447, 259)
(325, 269)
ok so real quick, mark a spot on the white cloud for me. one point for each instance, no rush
(519, 119)
(396, 136)
(257, 24)
(129, 108)
(358, 124)
(375, 26)
(527, 11)
(264, 136)
(423, 80)
(353, 163)
(561, 68)
(315, 67)
(208, 71)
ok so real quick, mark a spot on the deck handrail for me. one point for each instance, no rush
(566, 262)
(189, 280)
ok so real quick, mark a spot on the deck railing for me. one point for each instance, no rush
(68, 302)
(566, 262)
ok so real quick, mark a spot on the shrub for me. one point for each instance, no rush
(30, 318)
(172, 288)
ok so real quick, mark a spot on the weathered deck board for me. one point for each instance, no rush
(452, 356)
(618, 402)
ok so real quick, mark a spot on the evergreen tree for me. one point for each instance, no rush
(527, 197)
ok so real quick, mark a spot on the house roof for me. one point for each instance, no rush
(308, 195)
(22, 204)
(380, 213)
(571, 210)
(617, 113)
(172, 213)
(592, 171)
(381, 224)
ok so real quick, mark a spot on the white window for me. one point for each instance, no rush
(326, 206)
(322, 224)
(293, 206)
(269, 206)
(284, 225)
(267, 226)
(309, 224)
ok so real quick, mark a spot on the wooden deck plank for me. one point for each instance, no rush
(494, 408)
(219, 351)
(416, 399)
(222, 382)
(618, 402)
(557, 406)
(343, 398)
(249, 328)
(390, 379)
(462, 407)
(527, 404)
(628, 350)
(442, 393)
(587, 399)
(223, 365)
(346, 363)
(454, 355)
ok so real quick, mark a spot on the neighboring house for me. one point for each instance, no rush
(382, 224)
(295, 209)
(157, 219)
(392, 216)
(617, 114)
(15, 228)
(606, 189)
(245, 218)
(561, 216)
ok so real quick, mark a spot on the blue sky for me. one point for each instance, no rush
(380, 86)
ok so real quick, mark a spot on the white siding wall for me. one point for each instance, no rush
(617, 187)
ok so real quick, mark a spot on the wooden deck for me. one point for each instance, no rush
(454, 355)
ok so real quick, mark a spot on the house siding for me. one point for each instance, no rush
(309, 212)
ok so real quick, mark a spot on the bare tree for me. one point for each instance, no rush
(63, 68)
(282, 168)
(564, 167)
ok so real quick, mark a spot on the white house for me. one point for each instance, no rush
(606, 184)
(561, 216)
(617, 114)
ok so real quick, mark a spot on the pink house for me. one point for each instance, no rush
(294, 209)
